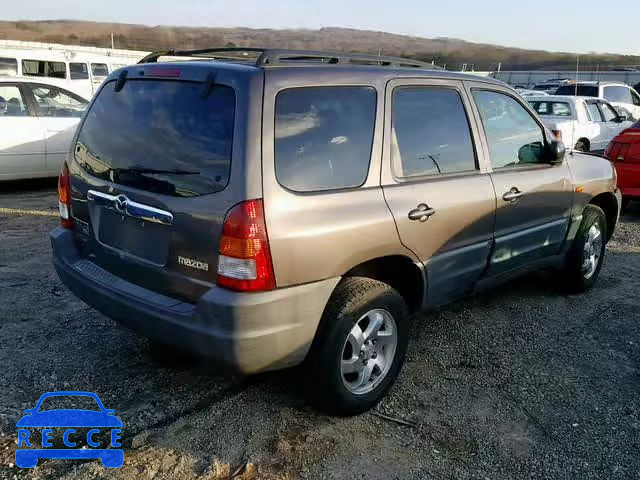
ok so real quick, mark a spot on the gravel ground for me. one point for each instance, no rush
(520, 382)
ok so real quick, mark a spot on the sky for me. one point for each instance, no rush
(557, 25)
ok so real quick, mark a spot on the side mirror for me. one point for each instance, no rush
(555, 152)
(621, 118)
(30, 410)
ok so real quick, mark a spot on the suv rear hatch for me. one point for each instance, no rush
(151, 173)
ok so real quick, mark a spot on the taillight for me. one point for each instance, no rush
(244, 263)
(557, 134)
(64, 197)
(607, 150)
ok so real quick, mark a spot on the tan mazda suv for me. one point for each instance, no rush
(270, 208)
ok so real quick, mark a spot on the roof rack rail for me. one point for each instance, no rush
(263, 57)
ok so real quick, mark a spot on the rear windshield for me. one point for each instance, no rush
(558, 109)
(580, 90)
(160, 136)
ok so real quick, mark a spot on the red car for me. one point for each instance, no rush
(624, 152)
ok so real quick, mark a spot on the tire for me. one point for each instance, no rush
(366, 303)
(625, 204)
(581, 146)
(577, 275)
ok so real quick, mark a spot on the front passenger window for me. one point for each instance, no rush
(514, 137)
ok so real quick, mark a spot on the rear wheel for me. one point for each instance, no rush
(359, 348)
(585, 257)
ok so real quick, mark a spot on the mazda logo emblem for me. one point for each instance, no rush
(121, 203)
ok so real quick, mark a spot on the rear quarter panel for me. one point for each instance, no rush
(314, 236)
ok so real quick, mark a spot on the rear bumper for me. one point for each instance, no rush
(248, 332)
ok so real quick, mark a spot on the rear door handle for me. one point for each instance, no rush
(512, 195)
(422, 213)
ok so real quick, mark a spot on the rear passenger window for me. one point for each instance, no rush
(11, 102)
(430, 132)
(594, 112)
(323, 137)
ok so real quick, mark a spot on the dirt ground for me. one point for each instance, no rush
(520, 382)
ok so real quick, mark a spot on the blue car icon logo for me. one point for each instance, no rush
(30, 449)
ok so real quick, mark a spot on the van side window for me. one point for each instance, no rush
(99, 70)
(514, 137)
(78, 71)
(44, 68)
(430, 132)
(8, 67)
(323, 137)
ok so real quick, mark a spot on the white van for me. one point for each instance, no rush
(78, 69)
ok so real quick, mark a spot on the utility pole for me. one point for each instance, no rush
(113, 47)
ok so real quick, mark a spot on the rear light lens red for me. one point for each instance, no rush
(607, 150)
(64, 197)
(622, 153)
(557, 134)
(244, 261)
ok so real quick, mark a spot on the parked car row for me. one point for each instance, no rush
(582, 123)
(624, 98)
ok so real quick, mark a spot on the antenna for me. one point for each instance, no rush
(577, 72)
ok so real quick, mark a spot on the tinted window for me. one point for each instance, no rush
(99, 70)
(160, 125)
(12, 103)
(635, 98)
(608, 112)
(618, 94)
(579, 90)
(323, 137)
(594, 112)
(55, 102)
(8, 67)
(78, 71)
(514, 137)
(431, 133)
(42, 68)
(559, 109)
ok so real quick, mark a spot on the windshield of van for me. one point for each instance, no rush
(160, 136)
